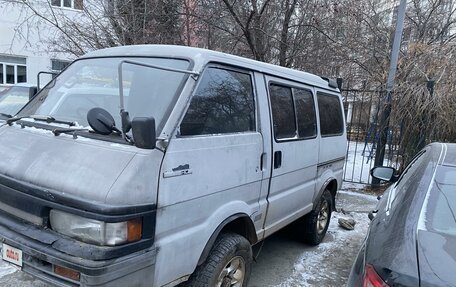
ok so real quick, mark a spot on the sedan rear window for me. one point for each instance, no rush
(441, 209)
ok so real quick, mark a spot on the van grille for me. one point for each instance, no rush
(28, 217)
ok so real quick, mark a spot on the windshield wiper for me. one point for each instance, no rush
(48, 119)
(8, 116)
(59, 131)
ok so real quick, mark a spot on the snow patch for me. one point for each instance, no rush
(360, 160)
(353, 185)
(6, 269)
(311, 268)
(363, 195)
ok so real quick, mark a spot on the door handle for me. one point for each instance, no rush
(262, 161)
(277, 159)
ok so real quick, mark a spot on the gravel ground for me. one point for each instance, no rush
(285, 261)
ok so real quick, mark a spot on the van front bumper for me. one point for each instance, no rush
(24, 224)
(39, 259)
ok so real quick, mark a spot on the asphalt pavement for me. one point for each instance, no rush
(284, 260)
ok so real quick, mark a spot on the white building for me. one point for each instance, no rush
(25, 38)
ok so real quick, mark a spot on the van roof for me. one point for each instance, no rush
(202, 56)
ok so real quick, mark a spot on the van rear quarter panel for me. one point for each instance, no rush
(331, 158)
(332, 153)
(223, 178)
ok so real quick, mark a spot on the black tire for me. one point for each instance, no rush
(314, 223)
(228, 249)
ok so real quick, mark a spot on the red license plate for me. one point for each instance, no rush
(12, 255)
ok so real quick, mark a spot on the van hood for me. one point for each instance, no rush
(87, 169)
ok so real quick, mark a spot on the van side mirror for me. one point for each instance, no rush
(384, 173)
(32, 92)
(143, 131)
(101, 121)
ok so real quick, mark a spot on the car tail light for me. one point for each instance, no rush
(372, 279)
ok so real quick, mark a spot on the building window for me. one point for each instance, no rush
(21, 74)
(9, 74)
(73, 4)
(13, 70)
(58, 65)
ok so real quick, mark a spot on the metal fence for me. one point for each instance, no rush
(362, 111)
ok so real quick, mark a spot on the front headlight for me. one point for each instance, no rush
(95, 231)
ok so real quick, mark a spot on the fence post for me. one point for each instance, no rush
(384, 123)
(383, 129)
(425, 117)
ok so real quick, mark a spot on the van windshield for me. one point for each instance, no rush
(90, 83)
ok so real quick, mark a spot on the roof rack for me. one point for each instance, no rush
(333, 83)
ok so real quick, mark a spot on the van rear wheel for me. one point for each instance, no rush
(316, 223)
(227, 265)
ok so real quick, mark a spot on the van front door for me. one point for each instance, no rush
(295, 147)
(211, 170)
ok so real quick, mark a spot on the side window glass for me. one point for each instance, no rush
(409, 179)
(283, 114)
(222, 103)
(305, 112)
(331, 119)
(441, 208)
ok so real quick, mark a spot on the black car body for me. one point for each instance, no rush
(412, 238)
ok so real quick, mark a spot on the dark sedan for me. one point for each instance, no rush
(412, 237)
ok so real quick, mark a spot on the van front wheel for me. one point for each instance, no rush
(316, 223)
(227, 265)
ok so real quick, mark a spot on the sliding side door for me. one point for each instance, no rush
(295, 148)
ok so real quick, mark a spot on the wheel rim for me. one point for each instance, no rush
(323, 216)
(233, 273)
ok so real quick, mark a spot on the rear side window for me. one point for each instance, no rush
(409, 180)
(283, 114)
(305, 113)
(293, 112)
(331, 119)
(222, 103)
(441, 209)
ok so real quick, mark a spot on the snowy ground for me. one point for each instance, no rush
(360, 160)
(284, 261)
(11, 277)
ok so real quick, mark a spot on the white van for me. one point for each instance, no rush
(157, 165)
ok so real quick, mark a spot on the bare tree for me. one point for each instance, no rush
(350, 39)
(107, 23)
